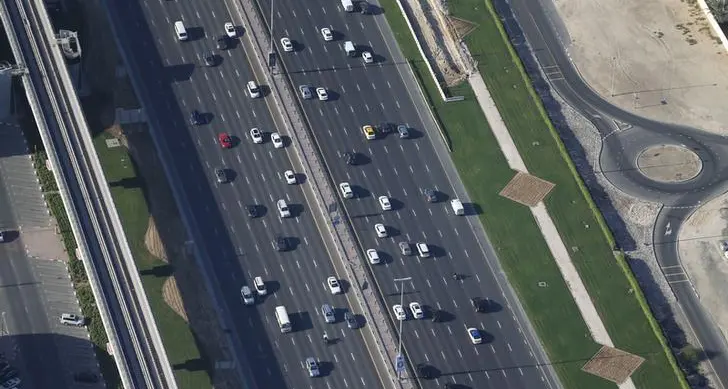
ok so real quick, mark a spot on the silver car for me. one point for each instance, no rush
(312, 367)
(305, 91)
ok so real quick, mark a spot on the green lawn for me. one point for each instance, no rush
(485, 171)
(131, 204)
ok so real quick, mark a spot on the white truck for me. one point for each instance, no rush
(348, 5)
(350, 49)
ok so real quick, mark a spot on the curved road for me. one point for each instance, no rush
(624, 136)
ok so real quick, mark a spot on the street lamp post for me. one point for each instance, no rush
(399, 363)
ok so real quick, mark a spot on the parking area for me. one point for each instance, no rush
(35, 286)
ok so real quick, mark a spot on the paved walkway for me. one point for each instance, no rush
(548, 229)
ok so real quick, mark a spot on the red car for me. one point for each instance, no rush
(225, 140)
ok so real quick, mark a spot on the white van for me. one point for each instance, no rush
(348, 5)
(284, 323)
(180, 30)
(457, 207)
(350, 49)
(283, 210)
(423, 250)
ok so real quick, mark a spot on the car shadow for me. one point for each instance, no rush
(360, 192)
(10, 235)
(333, 95)
(293, 242)
(302, 319)
(273, 287)
(414, 133)
(230, 174)
(195, 33)
(392, 231)
(296, 210)
(436, 251)
(207, 118)
(179, 73)
(472, 209)
(396, 204)
(325, 368)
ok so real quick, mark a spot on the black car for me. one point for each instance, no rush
(195, 118)
(222, 43)
(363, 7)
(350, 158)
(385, 128)
(436, 316)
(86, 376)
(252, 210)
(280, 243)
(220, 175)
(477, 304)
(430, 195)
(350, 320)
(425, 371)
(209, 59)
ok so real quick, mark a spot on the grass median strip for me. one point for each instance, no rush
(127, 189)
(484, 171)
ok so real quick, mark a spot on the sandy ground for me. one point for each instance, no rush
(643, 56)
(703, 259)
(438, 37)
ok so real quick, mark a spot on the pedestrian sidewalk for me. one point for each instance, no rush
(546, 225)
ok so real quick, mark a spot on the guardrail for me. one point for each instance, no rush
(95, 223)
(326, 201)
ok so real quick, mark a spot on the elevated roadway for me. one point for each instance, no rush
(101, 243)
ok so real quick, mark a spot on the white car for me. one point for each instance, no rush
(423, 250)
(384, 203)
(334, 285)
(322, 94)
(230, 30)
(327, 34)
(368, 58)
(290, 177)
(373, 256)
(346, 190)
(381, 230)
(247, 295)
(283, 210)
(399, 312)
(277, 140)
(71, 319)
(474, 336)
(253, 89)
(287, 44)
(260, 286)
(417, 311)
(256, 135)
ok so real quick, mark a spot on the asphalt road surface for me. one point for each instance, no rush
(34, 291)
(402, 169)
(241, 247)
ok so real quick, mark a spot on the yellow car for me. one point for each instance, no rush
(369, 132)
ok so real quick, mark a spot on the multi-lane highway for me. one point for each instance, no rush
(239, 247)
(402, 169)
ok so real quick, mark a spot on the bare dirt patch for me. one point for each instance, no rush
(613, 364)
(642, 56)
(527, 189)
(439, 40)
(669, 163)
(171, 296)
(153, 241)
(703, 259)
(461, 27)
